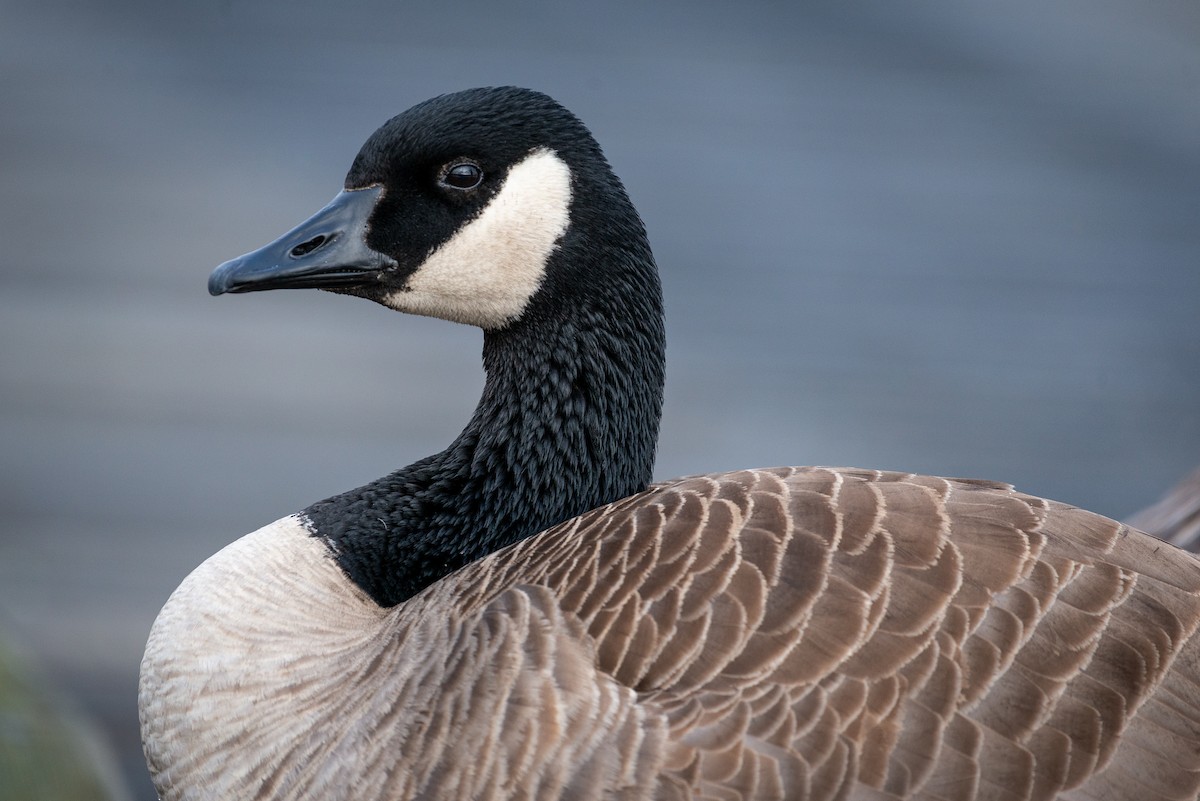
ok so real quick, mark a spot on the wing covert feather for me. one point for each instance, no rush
(807, 633)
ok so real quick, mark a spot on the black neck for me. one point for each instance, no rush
(567, 422)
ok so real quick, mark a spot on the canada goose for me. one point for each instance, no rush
(788, 633)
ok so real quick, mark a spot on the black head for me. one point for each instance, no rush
(454, 209)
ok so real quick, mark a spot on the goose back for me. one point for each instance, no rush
(794, 633)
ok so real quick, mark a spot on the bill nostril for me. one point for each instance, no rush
(304, 248)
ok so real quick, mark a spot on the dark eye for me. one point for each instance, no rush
(463, 175)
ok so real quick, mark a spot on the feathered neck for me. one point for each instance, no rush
(568, 421)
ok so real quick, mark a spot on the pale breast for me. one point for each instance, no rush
(255, 668)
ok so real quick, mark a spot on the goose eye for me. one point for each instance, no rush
(463, 175)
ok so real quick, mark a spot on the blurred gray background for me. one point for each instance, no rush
(932, 236)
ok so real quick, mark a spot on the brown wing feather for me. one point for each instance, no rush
(828, 634)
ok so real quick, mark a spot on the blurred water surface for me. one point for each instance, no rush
(931, 236)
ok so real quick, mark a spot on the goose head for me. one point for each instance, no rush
(456, 209)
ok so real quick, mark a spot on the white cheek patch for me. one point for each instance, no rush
(486, 273)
